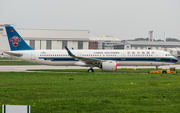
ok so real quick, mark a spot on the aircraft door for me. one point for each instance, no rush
(79, 54)
(123, 56)
(158, 56)
(32, 55)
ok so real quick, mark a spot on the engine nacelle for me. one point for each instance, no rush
(109, 66)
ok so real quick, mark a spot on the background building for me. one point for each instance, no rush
(110, 43)
(171, 47)
(104, 42)
(93, 45)
(151, 36)
(49, 38)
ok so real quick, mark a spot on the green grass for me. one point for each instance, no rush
(7, 59)
(177, 63)
(91, 92)
(99, 70)
(16, 63)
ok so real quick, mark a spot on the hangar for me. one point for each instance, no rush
(115, 43)
(171, 47)
(48, 38)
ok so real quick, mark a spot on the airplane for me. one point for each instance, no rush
(107, 60)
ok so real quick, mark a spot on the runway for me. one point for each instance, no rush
(23, 68)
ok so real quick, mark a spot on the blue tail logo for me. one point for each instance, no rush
(16, 42)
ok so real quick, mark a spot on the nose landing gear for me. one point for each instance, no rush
(156, 67)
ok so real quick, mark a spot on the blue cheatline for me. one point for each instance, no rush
(121, 59)
(16, 42)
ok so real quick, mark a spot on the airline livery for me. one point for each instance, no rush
(107, 60)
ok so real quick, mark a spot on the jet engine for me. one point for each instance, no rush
(109, 66)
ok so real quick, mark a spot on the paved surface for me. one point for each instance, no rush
(23, 68)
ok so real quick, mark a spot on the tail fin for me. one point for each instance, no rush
(15, 41)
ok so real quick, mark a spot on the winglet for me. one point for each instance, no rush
(69, 52)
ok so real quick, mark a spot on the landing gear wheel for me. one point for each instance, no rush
(90, 70)
(164, 72)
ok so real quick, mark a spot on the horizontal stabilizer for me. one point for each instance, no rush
(14, 54)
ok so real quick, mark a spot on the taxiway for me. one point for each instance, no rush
(23, 68)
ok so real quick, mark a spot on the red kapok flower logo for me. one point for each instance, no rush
(15, 40)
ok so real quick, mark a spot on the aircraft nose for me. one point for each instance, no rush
(175, 59)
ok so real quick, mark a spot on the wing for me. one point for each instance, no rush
(88, 61)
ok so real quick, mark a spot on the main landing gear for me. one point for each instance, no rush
(90, 70)
(156, 67)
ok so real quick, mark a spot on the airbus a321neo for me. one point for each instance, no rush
(107, 60)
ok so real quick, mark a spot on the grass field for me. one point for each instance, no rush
(145, 70)
(91, 92)
(5, 61)
(15, 63)
(177, 62)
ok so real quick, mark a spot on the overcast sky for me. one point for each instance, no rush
(125, 19)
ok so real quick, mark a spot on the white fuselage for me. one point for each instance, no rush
(123, 57)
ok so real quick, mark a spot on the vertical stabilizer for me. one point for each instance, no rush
(16, 42)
